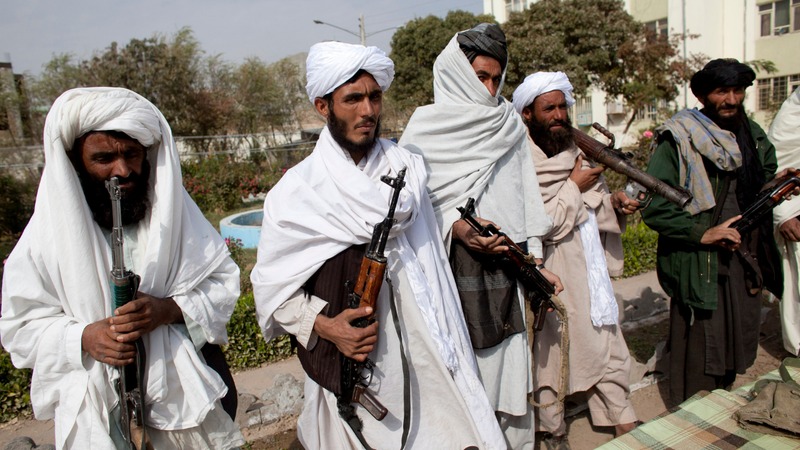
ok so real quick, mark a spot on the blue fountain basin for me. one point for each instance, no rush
(245, 226)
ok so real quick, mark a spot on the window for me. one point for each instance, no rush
(779, 17)
(650, 112)
(514, 6)
(763, 94)
(658, 27)
(774, 91)
(583, 111)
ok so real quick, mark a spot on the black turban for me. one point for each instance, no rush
(484, 39)
(721, 73)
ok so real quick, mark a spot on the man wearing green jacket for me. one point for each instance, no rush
(723, 159)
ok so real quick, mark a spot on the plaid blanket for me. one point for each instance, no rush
(704, 422)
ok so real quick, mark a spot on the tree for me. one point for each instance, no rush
(415, 47)
(578, 37)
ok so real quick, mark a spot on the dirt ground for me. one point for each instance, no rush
(648, 402)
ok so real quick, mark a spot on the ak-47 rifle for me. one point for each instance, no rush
(365, 293)
(773, 194)
(540, 290)
(124, 285)
(640, 183)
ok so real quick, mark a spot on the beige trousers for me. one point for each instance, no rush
(608, 399)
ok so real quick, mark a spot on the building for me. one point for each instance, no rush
(743, 29)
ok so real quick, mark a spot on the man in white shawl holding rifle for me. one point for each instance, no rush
(317, 222)
(57, 303)
(475, 146)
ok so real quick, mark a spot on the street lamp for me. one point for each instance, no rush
(361, 27)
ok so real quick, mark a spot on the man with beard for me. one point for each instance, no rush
(723, 159)
(474, 146)
(584, 248)
(317, 222)
(58, 315)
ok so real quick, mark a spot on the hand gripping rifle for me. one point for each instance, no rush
(640, 183)
(540, 290)
(772, 195)
(365, 293)
(124, 285)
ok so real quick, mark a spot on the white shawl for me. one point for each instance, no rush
(462, 136)
(326, 204)
(57, 278)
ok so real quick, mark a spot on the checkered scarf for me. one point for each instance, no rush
(696, 136)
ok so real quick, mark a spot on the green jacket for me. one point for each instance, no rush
(687, 269)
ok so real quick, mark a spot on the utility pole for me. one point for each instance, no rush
(363, 30)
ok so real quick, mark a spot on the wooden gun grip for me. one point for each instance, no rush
(370, 279)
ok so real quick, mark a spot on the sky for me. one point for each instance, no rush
(32, 31)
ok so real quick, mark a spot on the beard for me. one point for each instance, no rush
(730, 123)
(552, 142)
(135, 201)
(338, 129)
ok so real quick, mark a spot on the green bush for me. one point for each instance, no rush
(15, 389)
(246, 346)
(217, 183)
(16, 205)
(639, 244)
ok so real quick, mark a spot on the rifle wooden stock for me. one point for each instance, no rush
(370, 278)
(771, 196)
(607, 156)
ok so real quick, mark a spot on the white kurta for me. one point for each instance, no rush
(56, 282)
(439, 416)
(321, 207)
(785, 135)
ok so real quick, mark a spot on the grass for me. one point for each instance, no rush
(643, 339)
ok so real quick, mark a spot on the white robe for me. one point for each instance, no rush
(785, 135)
(56, 282)
(475, 145)
(321, 207)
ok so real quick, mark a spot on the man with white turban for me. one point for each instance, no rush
(785, 135)
(57, 303)
(474, 146)
(317, 222)
(584, 248)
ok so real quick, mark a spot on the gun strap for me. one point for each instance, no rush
(406, 377)
(563, 385)
(141, 381)
(348, 413)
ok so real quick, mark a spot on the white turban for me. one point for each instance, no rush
(330, 64)
(541, 83)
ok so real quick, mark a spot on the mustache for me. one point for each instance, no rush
(364, 123)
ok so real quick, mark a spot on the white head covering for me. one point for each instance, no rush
(68, 288)
(541, 83)
(330, 64)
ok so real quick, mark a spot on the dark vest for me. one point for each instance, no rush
(488, 296)
(333, 282)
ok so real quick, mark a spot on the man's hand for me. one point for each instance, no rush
(790, 230)
(785, 172)
(101, 343)
(585, 178)
(141, 316)
(354, 343)
(623, 204)
(463, 232)
(722, 235)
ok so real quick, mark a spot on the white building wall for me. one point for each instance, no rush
(726, 29)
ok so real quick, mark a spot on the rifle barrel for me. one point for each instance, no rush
(600, 153)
